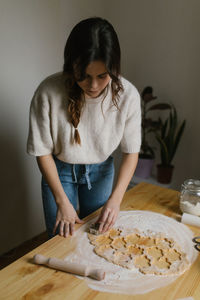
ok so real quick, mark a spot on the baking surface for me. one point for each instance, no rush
(24, 280)
(122, 280)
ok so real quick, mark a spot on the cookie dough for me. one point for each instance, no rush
(150, 253)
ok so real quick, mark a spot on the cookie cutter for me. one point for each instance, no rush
(196, 240)
(94, 228)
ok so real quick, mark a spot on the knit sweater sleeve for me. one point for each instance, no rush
(131, 140)
(39, 138)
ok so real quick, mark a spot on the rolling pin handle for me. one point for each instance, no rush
(40, 259)
(95, 273)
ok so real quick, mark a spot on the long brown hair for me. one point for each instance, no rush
(91, 39)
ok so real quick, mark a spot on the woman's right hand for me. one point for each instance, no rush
(66, 218)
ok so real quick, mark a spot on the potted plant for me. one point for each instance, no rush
(168, 138)
(147, 155)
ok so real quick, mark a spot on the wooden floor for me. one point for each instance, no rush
(21, 250)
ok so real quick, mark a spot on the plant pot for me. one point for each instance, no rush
(144, 167)
(164, 173)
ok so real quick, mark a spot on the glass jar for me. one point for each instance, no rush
(190, 197)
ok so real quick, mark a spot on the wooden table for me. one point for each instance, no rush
(24, 280)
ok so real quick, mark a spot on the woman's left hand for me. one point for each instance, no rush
(108, 215)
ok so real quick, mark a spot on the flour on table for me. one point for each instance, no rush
(125, 280)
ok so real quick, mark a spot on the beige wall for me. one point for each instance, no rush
(33, 34)
(160, 47)
(30, 49)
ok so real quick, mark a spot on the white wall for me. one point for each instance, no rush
(160, 47)
(33, 35)
(30, 49)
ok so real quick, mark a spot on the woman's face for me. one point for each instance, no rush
(96, 79)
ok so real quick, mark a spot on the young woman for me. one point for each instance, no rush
(77, 119)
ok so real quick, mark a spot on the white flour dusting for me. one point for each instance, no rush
(119, 279)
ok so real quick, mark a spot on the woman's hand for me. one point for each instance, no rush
(65, 219)
(108, 215)
(111, 209)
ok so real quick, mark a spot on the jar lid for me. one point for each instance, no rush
(192, 185)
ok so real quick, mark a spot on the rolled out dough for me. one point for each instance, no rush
(150, 253)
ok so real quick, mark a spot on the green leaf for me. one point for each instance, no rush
(164, 150)
(163, 129)
(177, 138)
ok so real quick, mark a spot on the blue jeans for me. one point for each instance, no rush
(88, 185)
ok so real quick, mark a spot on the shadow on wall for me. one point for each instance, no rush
(14, 194)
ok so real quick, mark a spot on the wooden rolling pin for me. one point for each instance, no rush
(69, 267)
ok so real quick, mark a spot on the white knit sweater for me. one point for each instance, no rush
(51, 133)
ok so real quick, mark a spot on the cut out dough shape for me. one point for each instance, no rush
(149, 253)
(154, 252)
(114, 233)
(100, 240)
(172, 255)
(132, 239)
(132, 249)
(142, 261)
(162, 263)
(118, 243)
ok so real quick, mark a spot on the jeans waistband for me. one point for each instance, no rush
(86, 174)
